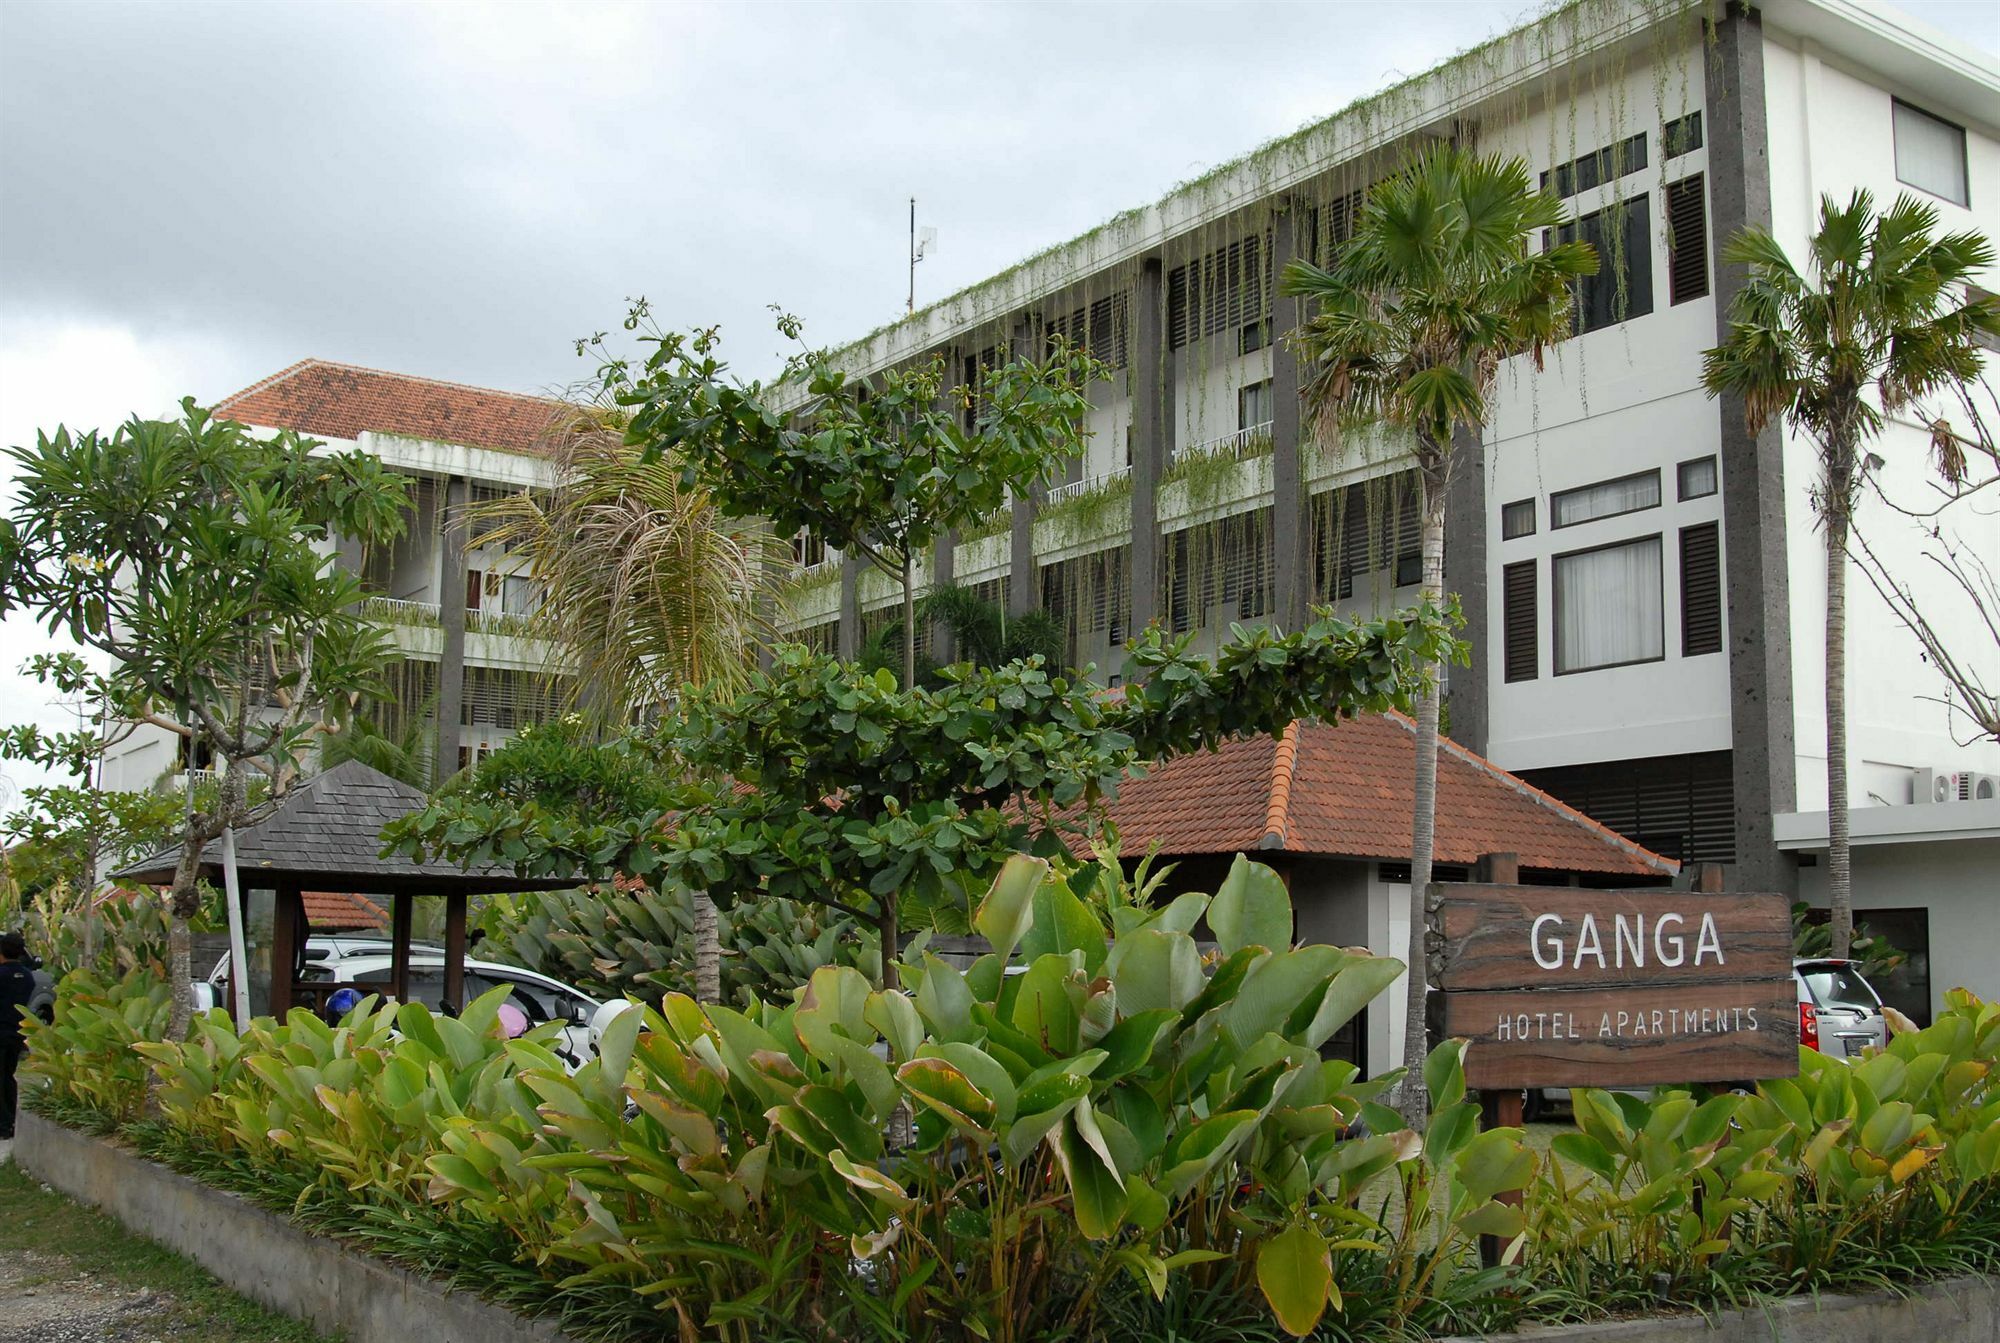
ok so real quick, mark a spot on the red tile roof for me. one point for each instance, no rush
(1348, 791)
(331, 400)
(331, 912)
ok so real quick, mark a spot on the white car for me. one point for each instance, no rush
(336, 961)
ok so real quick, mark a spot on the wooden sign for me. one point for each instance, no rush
(1557, 986)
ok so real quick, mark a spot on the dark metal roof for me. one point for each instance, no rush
(327, 833)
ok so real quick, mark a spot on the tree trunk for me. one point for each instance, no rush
(183, 904)
(1414, 1097)
(707, 951)
(1839, 874)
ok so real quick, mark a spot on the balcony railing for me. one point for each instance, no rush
(400, 611)
(817, 567)
(1242, 445)
(1076, 488)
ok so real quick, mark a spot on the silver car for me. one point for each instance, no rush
(1840, 1014)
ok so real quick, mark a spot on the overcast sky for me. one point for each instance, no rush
(193, 196)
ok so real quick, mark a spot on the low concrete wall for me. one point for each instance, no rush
(1961, 1310)
(336, 1289)
(262, 1255)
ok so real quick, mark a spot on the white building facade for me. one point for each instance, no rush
(465, 677)
(1643, 579)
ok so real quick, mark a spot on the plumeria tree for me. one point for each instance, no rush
(1407, 331)
(1883, 319)
(200, 560)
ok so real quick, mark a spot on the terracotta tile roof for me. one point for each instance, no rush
(331, 912)
(1348, 791)
(332, 400)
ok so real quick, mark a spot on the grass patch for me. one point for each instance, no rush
(90, 1244)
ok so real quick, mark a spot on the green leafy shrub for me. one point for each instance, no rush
(86, 1064)
(1852, 1175)
(639, 942)
(1115, 1113)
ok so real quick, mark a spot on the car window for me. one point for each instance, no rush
(1837, 986)
(427, 986)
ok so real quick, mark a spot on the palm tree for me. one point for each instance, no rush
(644, 584)
(1884, 319)
(1434, 289)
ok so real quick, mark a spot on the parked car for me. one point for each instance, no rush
(1840, 1014)
(347, 960)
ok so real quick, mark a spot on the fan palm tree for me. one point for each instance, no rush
(1883, 319)
(645, 585)
(1407, 331)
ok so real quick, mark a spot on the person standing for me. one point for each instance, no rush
(17, 986)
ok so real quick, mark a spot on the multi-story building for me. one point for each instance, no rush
(466, 676)
(1642, 577)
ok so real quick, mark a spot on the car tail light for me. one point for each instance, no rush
(1809, 1025)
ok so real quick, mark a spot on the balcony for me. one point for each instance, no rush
(399, 611)
(1241, 446)
(1077, 488)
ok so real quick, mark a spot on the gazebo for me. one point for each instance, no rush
(325, 834)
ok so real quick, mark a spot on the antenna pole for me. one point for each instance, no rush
(912, 306)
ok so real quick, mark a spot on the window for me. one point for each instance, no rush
(1254, 405)
(1986, 340)
(1701, 590)
(1521, 657)
(1606, 499)
(1517, 519)
(1253, 338)
(1697, 478)
(1687, 240)
(1930, 154)
(1608, 608)
(1101, 328)
(1595, 169)
(1217, 292)
(1683, 806)
(1622, 235)
(1680, 136)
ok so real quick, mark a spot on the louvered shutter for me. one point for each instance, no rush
(1518, 599)
(1687, 240)
(1701, 590)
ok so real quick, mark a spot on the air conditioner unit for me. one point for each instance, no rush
(1985, 787)
(1940, 785)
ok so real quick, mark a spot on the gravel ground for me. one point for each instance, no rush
(69, 1274)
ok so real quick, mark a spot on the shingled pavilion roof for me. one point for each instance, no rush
(326, 834)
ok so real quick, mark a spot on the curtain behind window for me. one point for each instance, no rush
(1608, 606)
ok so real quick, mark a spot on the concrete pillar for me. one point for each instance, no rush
(1291, 560)
(944, 561)
(1756, 581)
(1149, 437)
(1466, 557)
(849, 638)
(451, 620)
(1024, 588)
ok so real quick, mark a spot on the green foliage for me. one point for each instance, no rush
(982, 633)
(637, 942)
(1874, 955)
(1435, 288)
(879, 467)
(848, 791)
(1854, 1175)
(86, 1062)
(1129, 1139)
(1885, 310)
(129, 932)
